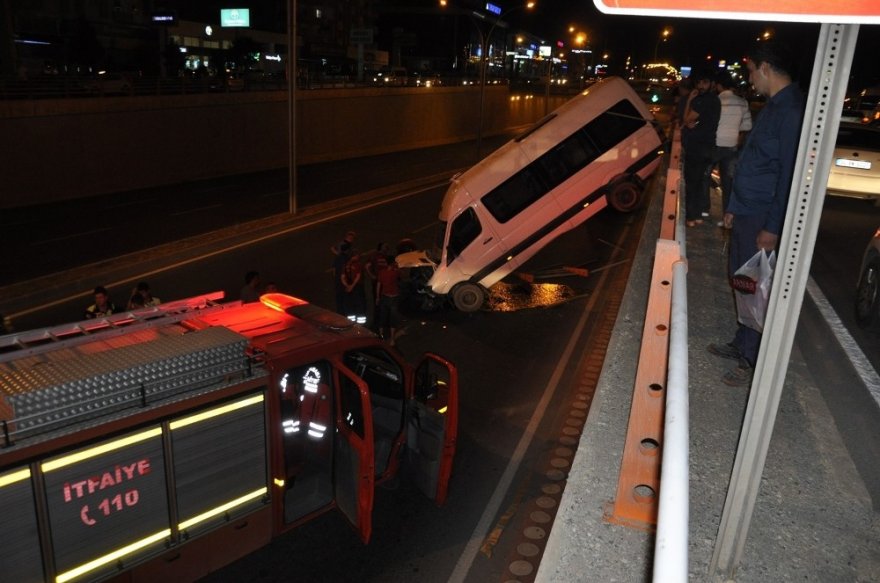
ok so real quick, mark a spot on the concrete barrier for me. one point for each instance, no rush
(57, 149)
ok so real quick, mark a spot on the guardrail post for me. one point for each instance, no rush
(636, 501)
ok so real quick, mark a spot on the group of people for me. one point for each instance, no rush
(141, 297)
(355, 298)
(366, 285)
(756, 163)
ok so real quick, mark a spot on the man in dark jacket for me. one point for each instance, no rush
(698, 140)
(761, 185)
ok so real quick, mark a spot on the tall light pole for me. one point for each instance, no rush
(484, 49)
(663, 36)
(291, 103)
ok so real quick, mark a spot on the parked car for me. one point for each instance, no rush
(867, 102)
(105, 83)
(228, 82)
(855, 169)
(867, 304)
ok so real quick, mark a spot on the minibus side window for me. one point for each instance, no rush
(516, 193)
(615, 125)
(465, 228)
(567, 159)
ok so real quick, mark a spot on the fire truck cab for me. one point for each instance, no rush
(166, 443)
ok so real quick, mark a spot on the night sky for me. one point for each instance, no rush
(619, 36)
(691, 39)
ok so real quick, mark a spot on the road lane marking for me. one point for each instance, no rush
(132, 202)
(464, 563)
(850, 347)
(195, 210)
(68, 237)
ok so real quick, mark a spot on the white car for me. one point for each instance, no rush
(855, 167)
(867, 304)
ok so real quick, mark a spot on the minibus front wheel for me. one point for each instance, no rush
(468, 297)
(624, 196)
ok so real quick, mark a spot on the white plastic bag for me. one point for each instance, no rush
(752, 283)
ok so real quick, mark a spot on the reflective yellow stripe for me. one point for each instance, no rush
(112, 556)
(14, 477)
(223, 508)
(198, 417)
(100, 449)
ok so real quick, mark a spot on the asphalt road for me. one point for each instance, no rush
(507, 359)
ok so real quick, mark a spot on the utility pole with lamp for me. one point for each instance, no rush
(485, 40)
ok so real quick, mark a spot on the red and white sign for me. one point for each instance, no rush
(830, 11)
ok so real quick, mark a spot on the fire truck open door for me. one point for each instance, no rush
(432, 426)
(353, 462)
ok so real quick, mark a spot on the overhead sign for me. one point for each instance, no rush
(167, 18)
(829, 11)
(361, 36)
(235, 17)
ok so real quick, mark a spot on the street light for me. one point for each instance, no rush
(484, 49)
(663, 36)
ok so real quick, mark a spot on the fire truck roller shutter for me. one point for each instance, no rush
(220, 462)
(20, 560)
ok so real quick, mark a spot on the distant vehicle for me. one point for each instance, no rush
(425, 79)
(867, 103)
(855, 168)
(164, 443)
(105, 83)
(596, 150)
(867, 304)
(389, 77)
(227, 82)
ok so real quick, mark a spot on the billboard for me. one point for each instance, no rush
(235, 17)
(829, 11)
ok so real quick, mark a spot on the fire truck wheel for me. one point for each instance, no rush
(468, 297)
(624, 196)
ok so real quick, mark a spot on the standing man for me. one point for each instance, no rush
(756, 211)
(735, 121)
(698, 140)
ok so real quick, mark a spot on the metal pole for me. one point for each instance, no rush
(671, 542)
(483, 49)
(831, 69)
(291, 104)
(547, 86)
(484, 56)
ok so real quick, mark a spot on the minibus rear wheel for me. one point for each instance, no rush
(624, 196)
(468, 297)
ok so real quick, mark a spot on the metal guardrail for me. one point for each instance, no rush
(658, 419)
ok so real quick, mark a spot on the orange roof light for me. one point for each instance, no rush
(281, 302)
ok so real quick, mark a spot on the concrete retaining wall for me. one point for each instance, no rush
(71, 148)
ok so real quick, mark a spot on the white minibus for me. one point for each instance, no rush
(595, 150)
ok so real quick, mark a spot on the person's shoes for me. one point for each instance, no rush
(695, 222)
(720, 224)
(725, 351)
(705, 215)
(738, 376)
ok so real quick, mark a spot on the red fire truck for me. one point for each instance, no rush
(165, 443)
